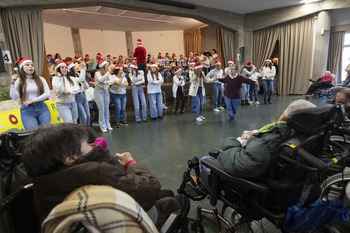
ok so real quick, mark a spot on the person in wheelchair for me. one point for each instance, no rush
(60, 160)
(250, 156)
(325, 81)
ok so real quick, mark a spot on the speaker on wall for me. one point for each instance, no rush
(241, 51)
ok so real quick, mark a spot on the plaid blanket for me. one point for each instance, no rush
(100, 209)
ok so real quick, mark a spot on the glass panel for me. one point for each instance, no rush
(347, 38)
(345, 62)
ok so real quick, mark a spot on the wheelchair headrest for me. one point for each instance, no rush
(315, 120)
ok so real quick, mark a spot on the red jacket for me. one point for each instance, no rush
(325, 79)
(140, 54)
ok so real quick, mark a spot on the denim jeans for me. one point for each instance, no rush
(94, 109)
(217, 94)
(245, 93)
(253, 90)
(68, 111)
(137, 92)
(268, 88)
(102, 100)
(83, 108)
(231, 106)
(143, 66)
(119, 102)
(35, 114)
(155, 104)
(199, 102)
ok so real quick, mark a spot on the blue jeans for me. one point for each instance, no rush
(102, 100)
(143, 66)
(199, 102)
(137, 92)
(83, 108)
(217, 94)
(119, 102)
(231, 106)
(155, 104)
(35, 114)
(253, 89)
(245, 93)
(68, 111)
(268, 88)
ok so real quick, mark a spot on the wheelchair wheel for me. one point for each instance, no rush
(195, 226)
(236, 220)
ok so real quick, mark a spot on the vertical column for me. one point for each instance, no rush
(247, 35)
(323, 27)
(129, 44)
(78, 50)
(5, 77)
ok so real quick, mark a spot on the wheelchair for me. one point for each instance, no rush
(305, 160)
(321, 92)
(17, 202)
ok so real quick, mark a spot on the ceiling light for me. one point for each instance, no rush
(309, 1)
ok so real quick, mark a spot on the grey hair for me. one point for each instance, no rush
(296, 105)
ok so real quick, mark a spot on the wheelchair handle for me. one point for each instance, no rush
(317, 163)
(5, 203)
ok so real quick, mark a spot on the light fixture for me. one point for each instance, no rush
(309, 1)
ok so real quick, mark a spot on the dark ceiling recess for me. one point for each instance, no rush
(172, 3)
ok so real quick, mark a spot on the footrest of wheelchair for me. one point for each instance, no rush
(192, 192)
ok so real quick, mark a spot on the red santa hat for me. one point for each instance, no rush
(231, 61)
(21, 61)
(270, 60)
(139, 41)
(198, 66)
(69, 64)
(192, 63)
(177, 69)
(87, 56)
(108, 55)
(119, 66)
(248, 64)
(218, 62)
(120, 56)
(60, 63)
(102, 62)
(159, 53)
(92, 81)
(99, 54)
(154, 65)
(133, 65)
(115, 58)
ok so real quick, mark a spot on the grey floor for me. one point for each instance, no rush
(164, 146)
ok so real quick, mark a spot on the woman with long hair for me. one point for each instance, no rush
(268, 73)
(155, 96)
(197, 90)
(32, 91)
(137, 79)
(178, 89)
(246, 72)
(103, 80)
(65, 88)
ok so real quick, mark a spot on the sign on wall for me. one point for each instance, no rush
(2, 64)
(6, 57)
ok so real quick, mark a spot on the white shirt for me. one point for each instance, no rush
(215, 73)
(81, 81)
(103, 81)
(138, 79)
(267, 73)
(90, 94)
(118, 89)
(178, 83)
(255, 76)
(60, 85)
(32, 90)
(156, 87)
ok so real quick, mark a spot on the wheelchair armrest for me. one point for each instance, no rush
(168, 225)
(218, 169)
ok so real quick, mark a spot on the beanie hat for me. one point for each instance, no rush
(231, 62)
(21, 61)
(69, 64)
(60, 63)
(133, 65)
(139, 41)
(177, 69)
(101, 63)
(249, 64)
(198, 66)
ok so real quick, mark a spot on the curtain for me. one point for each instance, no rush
(192, 40)
(228, 45)
(23, 30)
(220, 48)
(296, 40)
(264, 42)
(335, 54)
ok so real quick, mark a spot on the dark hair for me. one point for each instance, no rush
(67, 76)
(71, 72)
(57, 55)
(45, 150)
(270, 65)
(22, 86)
(48, 55)
(214, 50)
(91, 133)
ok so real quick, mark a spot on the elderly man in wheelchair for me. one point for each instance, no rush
(275, 172)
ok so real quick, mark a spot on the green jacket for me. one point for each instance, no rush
(254, 160)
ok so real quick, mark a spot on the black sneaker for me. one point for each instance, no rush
(182, 112)
(138, 122)
(117, 124)
(145, 120)
(232, 120)
(124, 123)
(160, 117)
(265, 102)
(269, 101)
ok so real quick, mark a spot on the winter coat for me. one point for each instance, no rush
(255, 159)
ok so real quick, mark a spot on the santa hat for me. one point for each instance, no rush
(21, 61)
(154, 65)
(218, 62)
(270, 60)
(60, 63)
(139, 41)
(198, 66)
(133, 65)
(192, 63)
(115, 58)
(108, 55)
(159, 53)
(231, 62)
(92, 81)
(99, 54)
(248, 64)
(87, 56)
(177, 69)
(80, 58)
(174, 57)
(102, 62)
(120, 56)
(119, 66)
(69, 64)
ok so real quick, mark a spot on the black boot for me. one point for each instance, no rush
(269, 101)
(242, 102)
(265, 101)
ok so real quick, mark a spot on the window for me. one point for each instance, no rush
(346, 55)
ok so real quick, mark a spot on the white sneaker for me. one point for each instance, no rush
(104, 130)
(221, 108)
(202, 117)
(165, 107)
(257, 103)
(110, 128)
(199, 119)
(216, 110)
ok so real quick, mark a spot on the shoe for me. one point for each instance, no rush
(95, 124)
(232, 120)
(144, 120)
(104, 130)
(110, 129)
(221, 108)
(269, 101)
(199, 119)
(257, 103)
(246, 102)
(242, 102)
(160, 117)
(165, 107)
(250, 102)
(265, 102)
(117, 124)
(202, 117)
(176, 113)
(138, 122)
(216, 110)
(182, 112)
(124, 123)
(154, 118)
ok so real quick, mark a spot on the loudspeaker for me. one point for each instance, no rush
(2, 64)
(242, 51)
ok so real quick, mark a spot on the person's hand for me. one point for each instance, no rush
(27, 102)
(14, 78)
(123, 158)
(257, 83)
(66, 92)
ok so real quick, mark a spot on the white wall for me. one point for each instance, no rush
(58, 39)
(341, 17)
(104, 42)
(161, 41)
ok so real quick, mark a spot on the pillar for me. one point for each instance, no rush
(78, 50)
(129, 43)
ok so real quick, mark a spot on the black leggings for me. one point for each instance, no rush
(180, 97)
